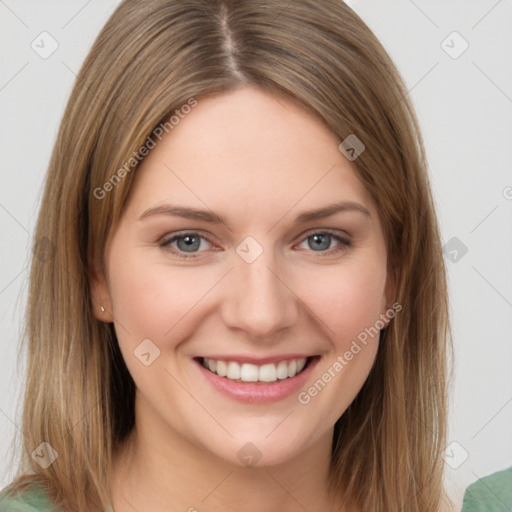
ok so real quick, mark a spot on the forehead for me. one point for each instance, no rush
(247, 151)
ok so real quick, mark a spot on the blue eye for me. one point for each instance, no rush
(186, 242)
(321, 241)
(189, 243)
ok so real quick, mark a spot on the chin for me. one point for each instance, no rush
(253, 447)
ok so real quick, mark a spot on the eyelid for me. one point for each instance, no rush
(170, 237)
(335, 232)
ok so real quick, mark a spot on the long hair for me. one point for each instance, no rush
(150, 59)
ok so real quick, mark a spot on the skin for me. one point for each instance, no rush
(258, 160)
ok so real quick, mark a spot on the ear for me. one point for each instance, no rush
(100, 294)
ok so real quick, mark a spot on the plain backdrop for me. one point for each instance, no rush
(455, 58)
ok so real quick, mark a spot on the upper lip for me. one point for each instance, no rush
(255, 360)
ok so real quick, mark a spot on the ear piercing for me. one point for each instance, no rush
(102, 308)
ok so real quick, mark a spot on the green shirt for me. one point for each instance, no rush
(33, 500)
(492, 493)
(29, 500)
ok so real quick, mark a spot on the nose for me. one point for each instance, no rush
(259, 300)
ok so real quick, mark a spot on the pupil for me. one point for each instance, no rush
(191, 243)
(324, 244)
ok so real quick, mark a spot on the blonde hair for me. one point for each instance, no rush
(150, 58)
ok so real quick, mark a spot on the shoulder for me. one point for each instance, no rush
(31, 499)
(492, 493)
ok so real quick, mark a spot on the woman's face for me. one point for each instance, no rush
(215, 257)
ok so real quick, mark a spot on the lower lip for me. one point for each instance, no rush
(260, 392)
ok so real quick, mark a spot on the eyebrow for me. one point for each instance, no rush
(210, 216)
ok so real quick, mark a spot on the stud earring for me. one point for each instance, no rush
(102, 309)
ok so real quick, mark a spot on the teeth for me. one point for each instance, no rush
(268, 373)
(292, 368)
(252, 373)
(249, 372)
(282, 370)
(222, 368)
(233, 371)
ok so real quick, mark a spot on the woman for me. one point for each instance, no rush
(244, 306)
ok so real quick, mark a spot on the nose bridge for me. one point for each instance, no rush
(259, 302)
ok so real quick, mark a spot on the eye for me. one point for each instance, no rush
(188, 242)
(320, 241)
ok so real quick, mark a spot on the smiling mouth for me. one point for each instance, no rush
(248, 372)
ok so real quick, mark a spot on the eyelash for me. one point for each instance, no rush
(165, 243)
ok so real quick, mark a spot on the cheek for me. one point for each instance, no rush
(152, 300)
(155, 302)
(345, 298)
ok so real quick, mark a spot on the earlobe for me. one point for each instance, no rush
(100, 296)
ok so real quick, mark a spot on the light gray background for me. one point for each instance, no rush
(465, 108)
